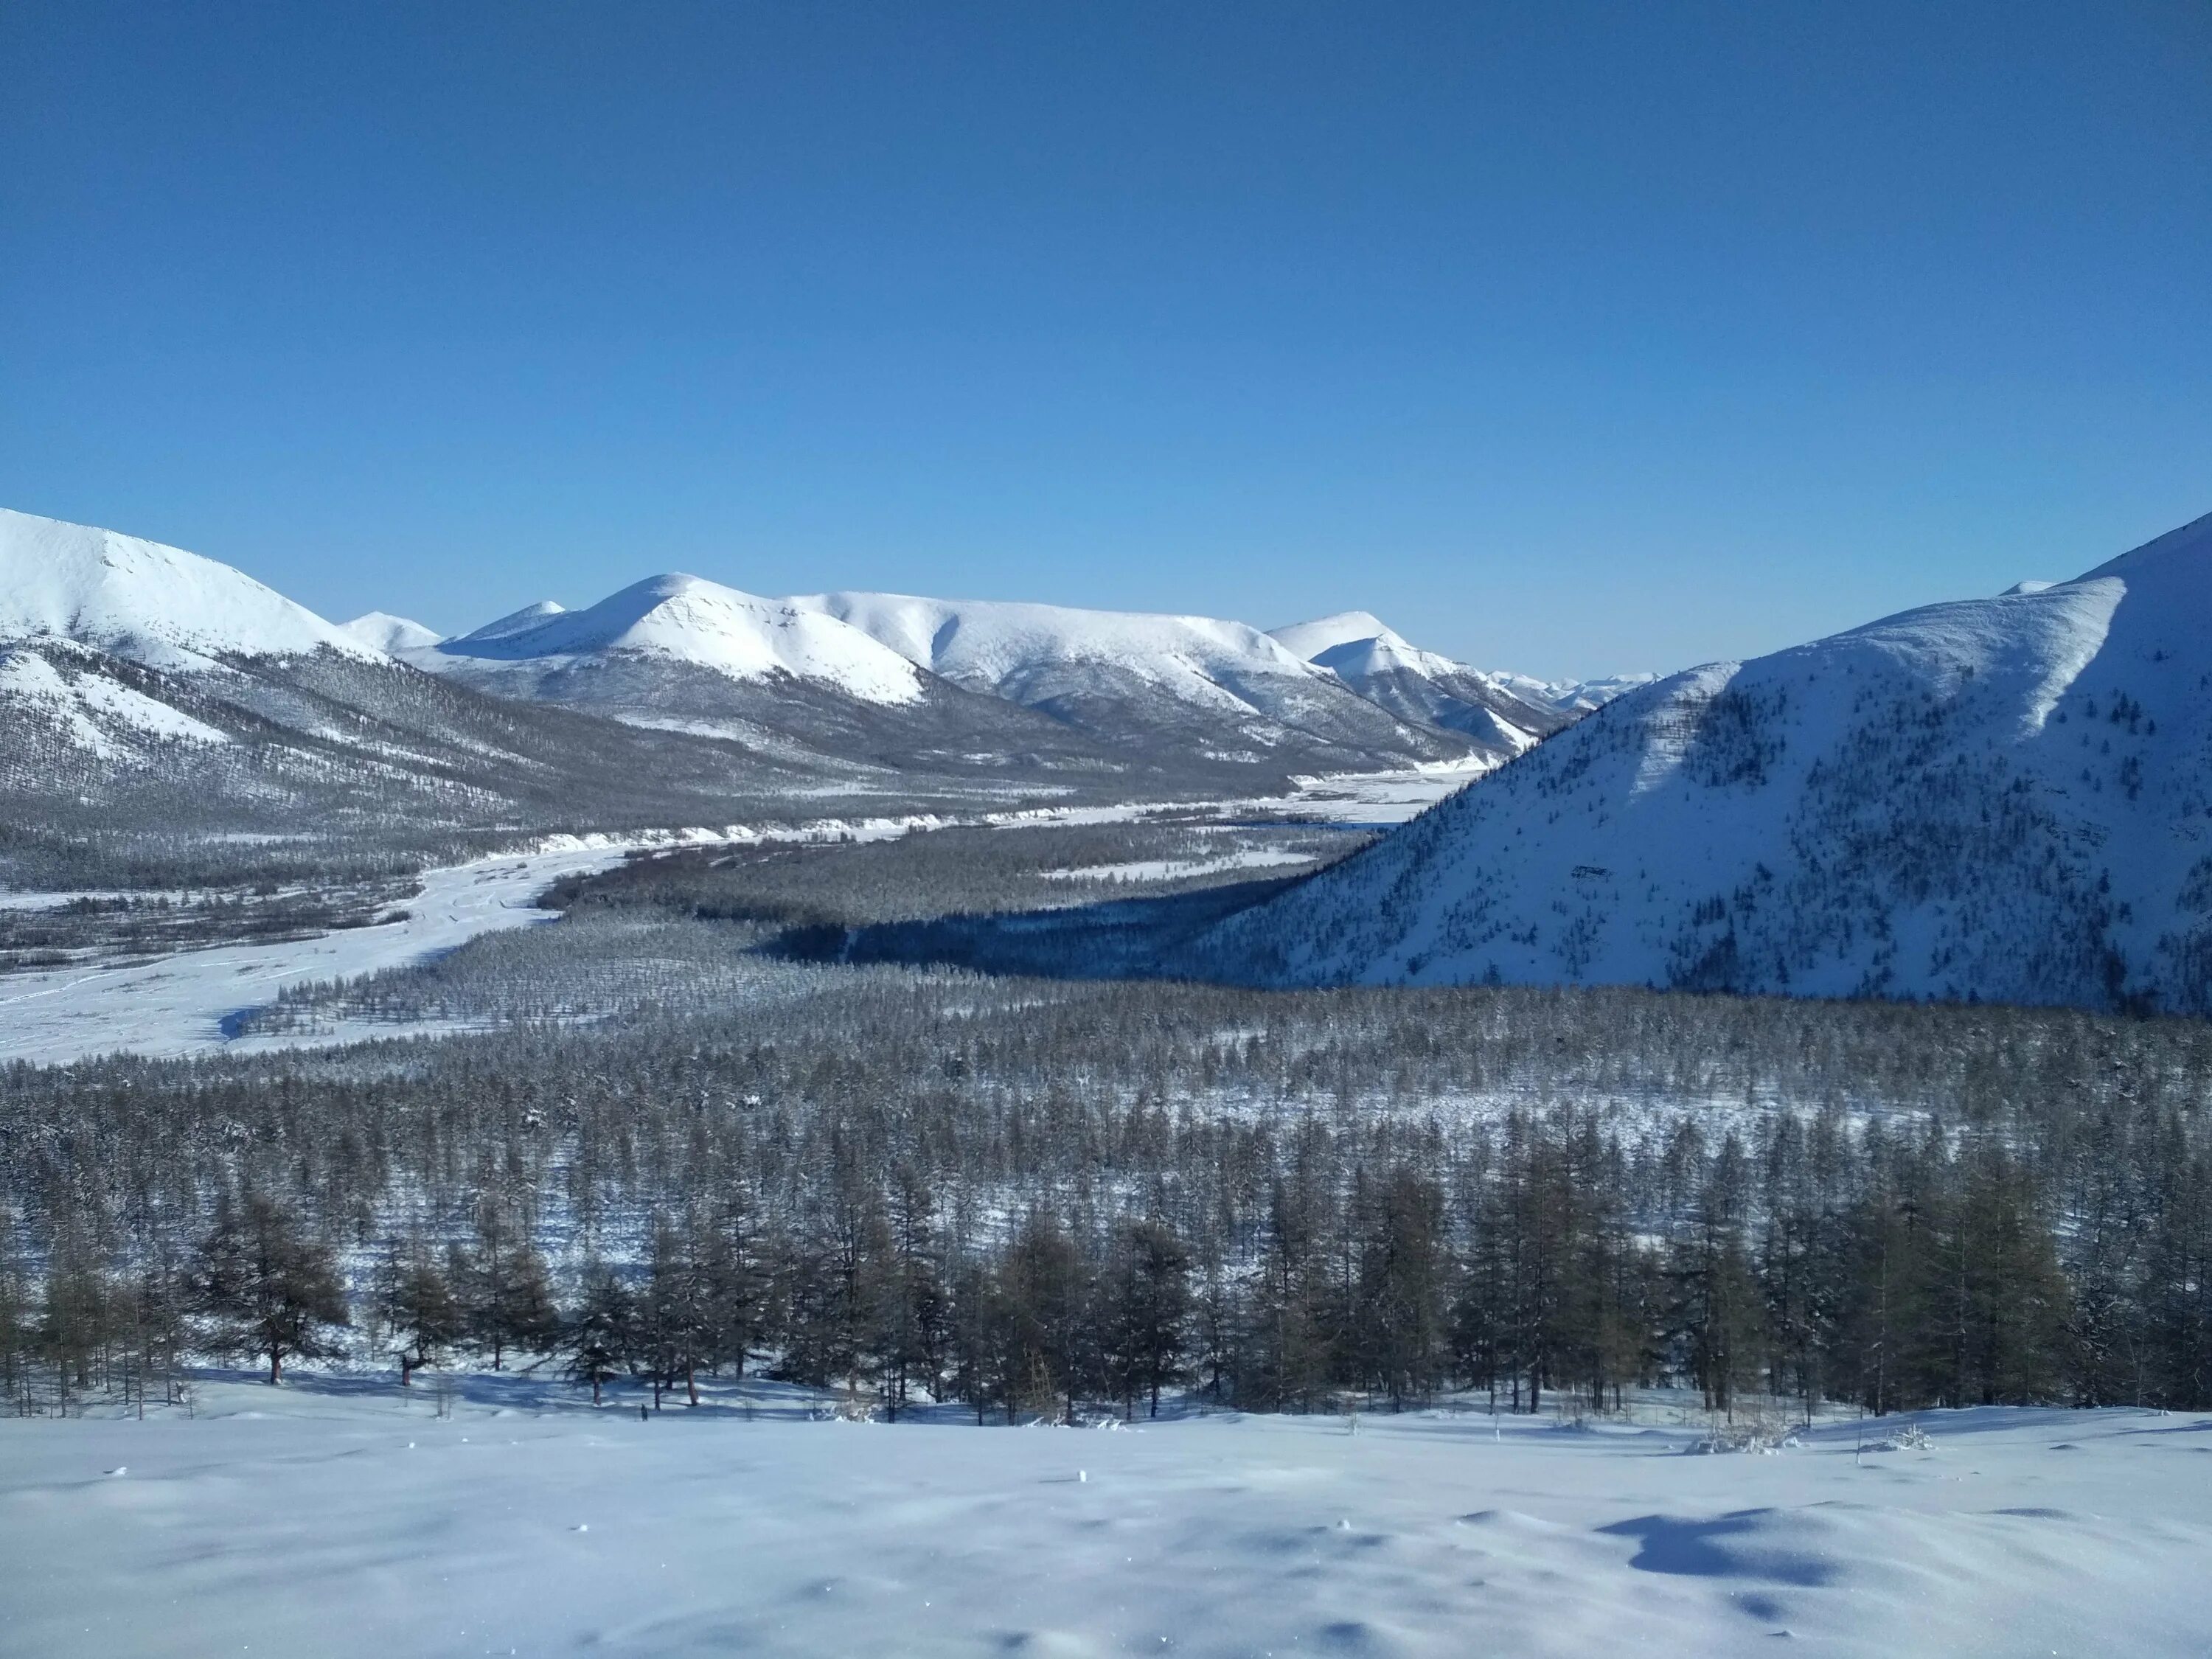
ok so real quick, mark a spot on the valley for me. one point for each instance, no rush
(1299, 1055)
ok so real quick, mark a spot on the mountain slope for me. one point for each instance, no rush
(687, 619)
(1219, 690)
(151, 602)
(677, 652)
(2007, 798)
(393, 636)
(1422, 688)
(164, 718)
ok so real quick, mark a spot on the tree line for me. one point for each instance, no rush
(1543, 1259)
(917, 1183)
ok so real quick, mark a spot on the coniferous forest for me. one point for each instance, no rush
(1045, 1197)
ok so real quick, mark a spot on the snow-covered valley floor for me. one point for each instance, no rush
(177, 1005)
(180, 1005)
(338, 1518)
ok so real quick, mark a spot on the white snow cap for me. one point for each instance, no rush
(381, 631)
(1309, 640)
(689, 619)
(142, 599)
(518, 622)
(993, 642)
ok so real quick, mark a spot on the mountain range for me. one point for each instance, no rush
(960, 683)
(161, 712)
(2005, 798)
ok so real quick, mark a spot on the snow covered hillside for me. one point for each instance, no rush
(146, 692)
(1504, 714)
(2008, 798)
(785, 679)
(687, 619)
(1221, 688)
(166, 718)
(391, 634)
(338, 1516)
(158, 605)
(906, 680)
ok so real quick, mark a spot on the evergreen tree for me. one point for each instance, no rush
(599, 1338)
(268, 1286)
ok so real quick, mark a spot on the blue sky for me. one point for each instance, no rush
(1567, 337)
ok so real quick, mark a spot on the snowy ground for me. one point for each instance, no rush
(177, 1005)
(338, 1519)
(180, 1005)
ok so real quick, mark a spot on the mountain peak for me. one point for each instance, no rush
(381, 631)
(146, 600)
(686, 618)
(516, 621)
(1309, 639)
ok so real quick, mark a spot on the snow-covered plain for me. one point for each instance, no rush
(341, 1518)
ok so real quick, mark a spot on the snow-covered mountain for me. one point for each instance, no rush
(687, 619)
(152, 603)
(906, 680)
(145, 685)
(164, 717)
(1360, 647)
(1503, 713)
(782, 677)
(392, 636)
(2007, 798)
(1219, 690)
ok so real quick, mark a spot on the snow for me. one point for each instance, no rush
(1355, 645)
(1998, 797)
(394, 636)
(996, 645)
(689, 619)
(156, 605)
(518, 622)
(1508, 714)
(90, 708)
(1358, 645)
(1574, 696)
(1134, 869)
(179, 1005)
(1309, 639)
(340, 1517)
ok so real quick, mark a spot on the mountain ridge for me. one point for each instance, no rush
(1999, 798)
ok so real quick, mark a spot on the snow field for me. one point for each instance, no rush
(320, 1519)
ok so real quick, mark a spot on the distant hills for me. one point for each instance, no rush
(161, 713)
(1152, 691)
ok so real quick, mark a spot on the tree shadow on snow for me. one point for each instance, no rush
(1111, 938)
(1736, 1546)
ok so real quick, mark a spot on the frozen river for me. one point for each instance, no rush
(178, 1004)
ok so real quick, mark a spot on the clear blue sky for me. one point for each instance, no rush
(1568, 338)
